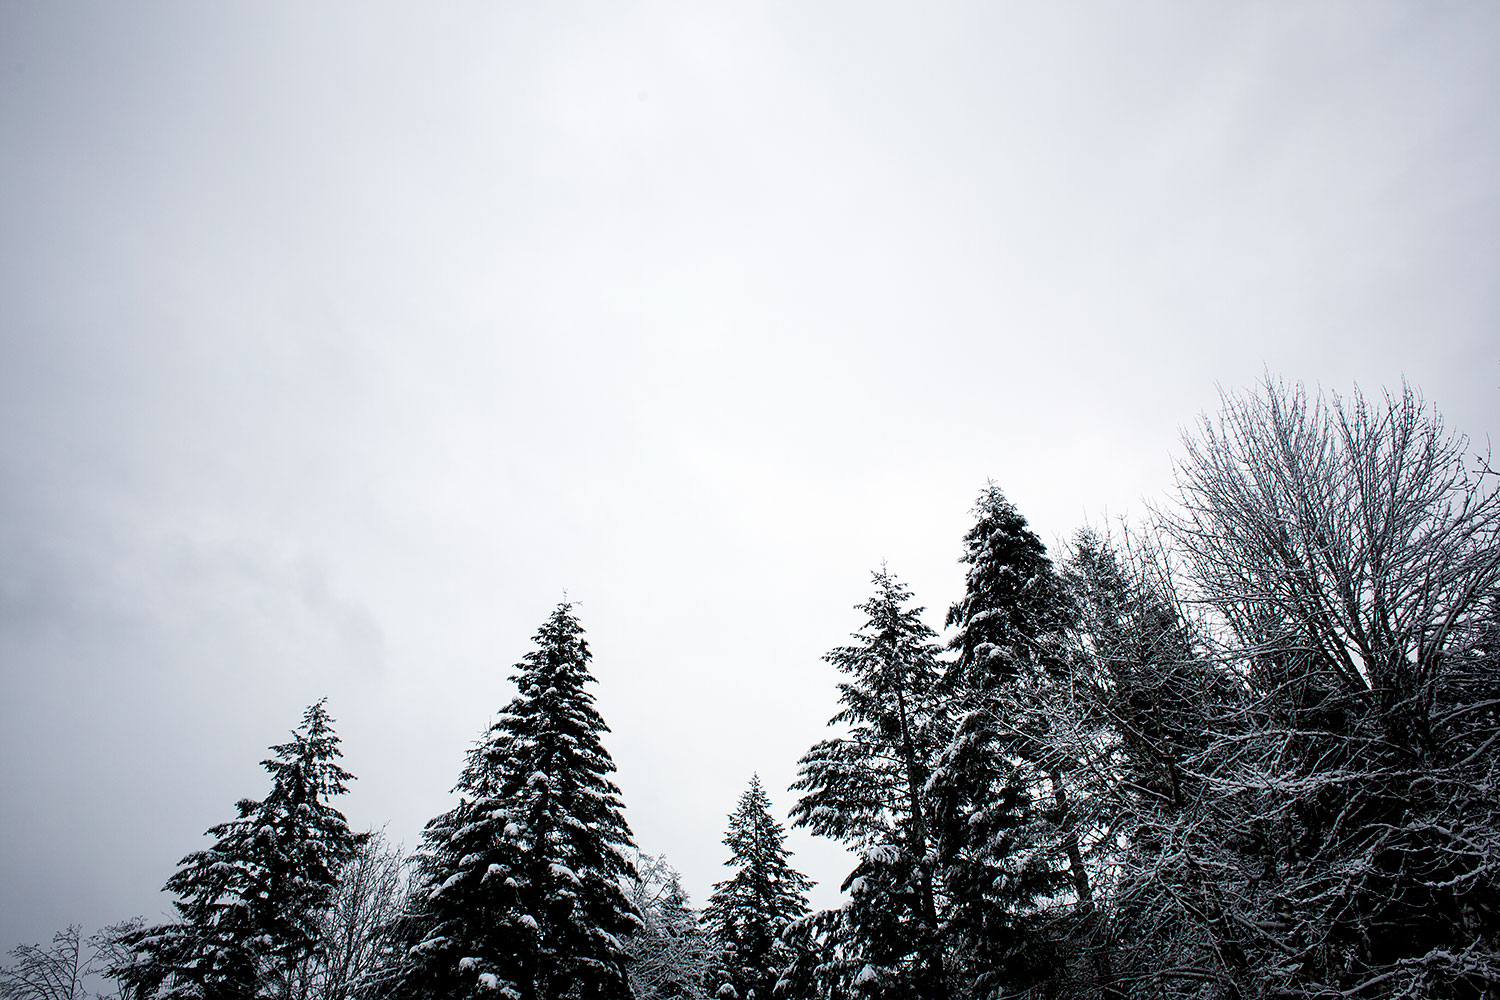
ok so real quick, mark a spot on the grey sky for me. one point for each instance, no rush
(337, 340)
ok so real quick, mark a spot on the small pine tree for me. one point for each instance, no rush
(747, 912)
(524, 877)
(308, 845)
(249, 905)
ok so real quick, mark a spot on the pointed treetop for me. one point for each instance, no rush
(307, 761)
(1012, 596)
(748, 911)
(525, 887)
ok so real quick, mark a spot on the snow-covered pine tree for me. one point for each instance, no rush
(1004, 833)
(747, 912)
(523, 878)
(824, 958)
(464, 934)
(249, 905)
(868, 788)
(308, 841)
(1149, 679)
(1013, 601)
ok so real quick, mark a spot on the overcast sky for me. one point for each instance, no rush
(338, 339)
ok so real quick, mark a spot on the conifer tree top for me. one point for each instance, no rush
(307, 762)
(894, 651)
(525, 877)
(759, 855)
(748, 911)
(552, 723)
(250, 904)
(1012, 595)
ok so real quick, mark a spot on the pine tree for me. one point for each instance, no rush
(524, 877)
(1013, 600)
(1140, 704)
(824, 958)
(868, 789)
(747, 912)
(249, 905)
(307, 845)
(1003, 820)
(1140, 654)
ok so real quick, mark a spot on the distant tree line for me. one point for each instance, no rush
(1247, 750)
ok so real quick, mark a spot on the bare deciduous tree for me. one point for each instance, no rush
(47, 972)
(1348, 533)
(356, 929)
(1346, 838)
(670, 954)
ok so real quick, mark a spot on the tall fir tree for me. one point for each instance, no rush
(747, 912)
(249, 905)
(1005, 834)
(868, 788)
(524, 878)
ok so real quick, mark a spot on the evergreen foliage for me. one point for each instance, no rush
(823, 958)
(1013, 601)
(523, 881)
(1140, 654)
(869, 789)
(250, 905)
(748, 911)
(1006, 836)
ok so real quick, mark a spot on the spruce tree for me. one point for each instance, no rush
(1003, 823)
(1013, 600)
(868, 789)
(524, 894)
(747, 912)
(249, 905)
(1140, 654)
